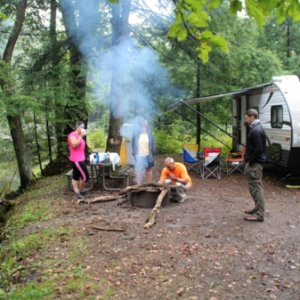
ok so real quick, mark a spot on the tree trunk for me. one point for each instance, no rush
(198, 94)
(14, 120)
(22, 155)
(37, 145)
(120, 33)
(288, 42)
(53, 38)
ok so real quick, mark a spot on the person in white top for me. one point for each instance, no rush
(143, 147)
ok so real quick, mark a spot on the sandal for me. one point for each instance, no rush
(250, 211)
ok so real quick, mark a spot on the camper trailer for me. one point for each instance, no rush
(278, 105)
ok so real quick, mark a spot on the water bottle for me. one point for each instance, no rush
(97, 158)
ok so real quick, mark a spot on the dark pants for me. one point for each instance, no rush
(254, 174)
(80, 171)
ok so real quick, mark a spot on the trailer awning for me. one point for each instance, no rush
(240, 92)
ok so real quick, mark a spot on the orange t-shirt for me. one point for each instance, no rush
(179, 171)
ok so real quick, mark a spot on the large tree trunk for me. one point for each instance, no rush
(54, 62)
(14, 120)
(120, 33)
(22, 156)
(76, 108)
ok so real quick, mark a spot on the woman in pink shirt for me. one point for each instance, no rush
(77, 158)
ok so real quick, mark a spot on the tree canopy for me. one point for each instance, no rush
(193, 18)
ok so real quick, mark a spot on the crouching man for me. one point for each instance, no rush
(175, 173)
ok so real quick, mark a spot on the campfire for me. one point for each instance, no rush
(147, 195)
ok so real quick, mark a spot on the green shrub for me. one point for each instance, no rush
(166, 143)
(96, 138)
(170, 140)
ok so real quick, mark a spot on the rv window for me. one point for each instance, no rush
(277, 116)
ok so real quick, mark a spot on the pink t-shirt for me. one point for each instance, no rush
(78, 153)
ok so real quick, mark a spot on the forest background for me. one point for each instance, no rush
(111, 62)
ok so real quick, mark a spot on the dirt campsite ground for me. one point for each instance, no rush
(199, 249)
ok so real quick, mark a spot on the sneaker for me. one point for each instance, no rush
(80, 196)
(84, 193)
(181, 200)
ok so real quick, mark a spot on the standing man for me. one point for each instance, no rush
(255, 159)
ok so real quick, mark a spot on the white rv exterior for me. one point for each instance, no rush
(278, 104)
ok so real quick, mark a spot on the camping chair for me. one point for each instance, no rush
(211, 166)
(235, 161)
(193, 149)
(190, 161)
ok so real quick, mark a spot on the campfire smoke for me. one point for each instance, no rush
(135, 69)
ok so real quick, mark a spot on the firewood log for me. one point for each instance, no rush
(109, 229)
(99, 199)
(151, 186)
(152, 215)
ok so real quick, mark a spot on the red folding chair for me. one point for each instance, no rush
(211, 166)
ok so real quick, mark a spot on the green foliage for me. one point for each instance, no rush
(3, 16)
(171, 133)
(165, 143)
(96, 139)
(192, 19)
(208, 141)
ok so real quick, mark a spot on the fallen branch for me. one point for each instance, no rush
(109, 229)
(99, 199)
(152, 215)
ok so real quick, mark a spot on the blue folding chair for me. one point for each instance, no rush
(191, 162)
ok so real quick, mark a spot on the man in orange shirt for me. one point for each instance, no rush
(176, 173)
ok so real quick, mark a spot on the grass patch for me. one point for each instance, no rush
(48, 263)
(13, 254)
(23, 247)
(32, 291)
(57, 276)
(26, 213)
(108, 293)
(79, 282)
(35, 205)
